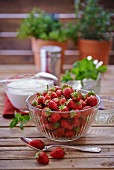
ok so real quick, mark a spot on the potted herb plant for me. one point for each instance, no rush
(93, 29)
(43, 29)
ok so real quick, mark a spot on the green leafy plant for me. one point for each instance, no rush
(21, 119)
(42, 25)
(83, 69)
(92, 21)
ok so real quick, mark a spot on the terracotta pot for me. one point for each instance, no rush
(97, 49)
(38, 43)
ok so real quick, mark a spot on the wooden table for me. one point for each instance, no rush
(15, 155)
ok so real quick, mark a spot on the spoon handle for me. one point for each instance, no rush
(84, 149)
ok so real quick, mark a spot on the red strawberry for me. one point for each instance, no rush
(57, 153)
(59, 93)
(66, 124)
(59, 132)
(52, 105)
(62, 101)
(46, 112)
(37, 144)
(63, 108)
(67, 92)
(57, 88)
(75, 96)
(47, 98)
(87, 112)
(91, 101)
(71, 104)
(53, 95)
(40, 100)
(44, 93)
(55, 117)
(69, 133)
(79, 105)
(83, 103)
(76, 122)
(42, 158)
(56, 100)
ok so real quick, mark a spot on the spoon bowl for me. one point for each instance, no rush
(84, 149)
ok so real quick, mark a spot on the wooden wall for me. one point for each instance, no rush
(15, 51)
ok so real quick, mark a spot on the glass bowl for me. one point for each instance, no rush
(18, 91)
(88, 84)
(77, 122)
(105, 113)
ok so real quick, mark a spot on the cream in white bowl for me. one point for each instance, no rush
(18, 91)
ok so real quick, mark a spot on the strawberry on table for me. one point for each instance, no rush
(37, 144)
(57, 153)
(42, 158)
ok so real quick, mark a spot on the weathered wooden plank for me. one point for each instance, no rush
(33, 132)
(16, 59)
(30, 154)
(8, 43)
(64, 164)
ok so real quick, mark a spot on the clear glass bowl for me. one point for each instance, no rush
(18, 91)
(105, 113)
(88, 84)
(77, 122)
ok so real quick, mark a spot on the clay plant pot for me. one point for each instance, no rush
(97, 49)
(38, 43)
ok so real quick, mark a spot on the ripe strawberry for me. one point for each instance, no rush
(40, 100)
(63, 108)
(87, 112)
(62, 101)
(44, 93)
(37, 144)
(46, 112)
(91, 101)
(55, 117)
(79, 105)
(59, 132)
(67, 92)
(47, 98)
(42, 158)
(57, 88)
(57, 153)
(71, 104)
(59, 93)
(69, 133)
(56, 100)
(53, 95)
(83, 103)
(66, 124)
(75, 96)
(76, 122)
(52, 105)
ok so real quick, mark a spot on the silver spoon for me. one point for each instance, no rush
(38, 75)
(85, 149)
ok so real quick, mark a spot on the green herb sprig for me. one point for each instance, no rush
(83, 69)
(21, 119)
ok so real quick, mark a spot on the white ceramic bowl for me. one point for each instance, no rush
(17, 91)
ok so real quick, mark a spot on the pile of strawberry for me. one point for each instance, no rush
(42, 157)
(64, 110)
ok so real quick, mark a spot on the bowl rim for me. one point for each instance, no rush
(35, 108)
(49, 82)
